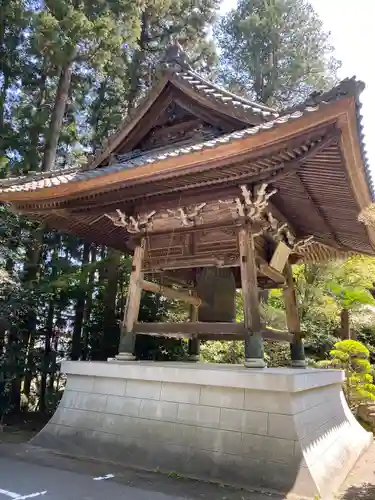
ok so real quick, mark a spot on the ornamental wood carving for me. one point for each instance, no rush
(250, 206)
(189, 216)
(132, 224)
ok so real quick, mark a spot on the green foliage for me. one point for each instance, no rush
(353, 357)
(275, 50)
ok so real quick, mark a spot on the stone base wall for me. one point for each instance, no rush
(286, 430)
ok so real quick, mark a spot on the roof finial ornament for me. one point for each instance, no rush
(175, 56)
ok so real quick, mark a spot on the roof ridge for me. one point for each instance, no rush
(231, 94)
(346, 87)
(33, 175)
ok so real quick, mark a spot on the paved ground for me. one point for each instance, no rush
(20, 480)
(29, 472)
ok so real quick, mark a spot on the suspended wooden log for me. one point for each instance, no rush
(171, 293)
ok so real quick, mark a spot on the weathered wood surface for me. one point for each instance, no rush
(249, 280)
(207, 331)
(271, 273)
(134, 292)
(133, 301)
(171, 293)
(290, 302)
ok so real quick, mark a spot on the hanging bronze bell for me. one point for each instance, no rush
(217, 288)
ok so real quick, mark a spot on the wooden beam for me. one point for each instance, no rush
(271, 273)
(207, 331)
(254, 353)
(171, 293)
(133, 301)
(187, 262)
(191, 328)
(249, 279)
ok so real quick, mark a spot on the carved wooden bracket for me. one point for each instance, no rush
(132, 225)
(251, 206)
(188, 216)
(282, 233)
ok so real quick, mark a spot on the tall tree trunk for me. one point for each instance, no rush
(88, 307)
(111, 331)
(53, 134)
(31, 270)
(80, 308)
(33, 155)
(345, 324)
(46, 356)
(137, 60)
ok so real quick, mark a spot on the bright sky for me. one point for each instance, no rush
(352, 34)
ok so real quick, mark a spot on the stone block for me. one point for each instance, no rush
(268, 448)
(80, 383)
(143, 389)
(115, 386)
(158, 410)
(120, 405)
(223, 397)
(205, 416)
(252, 422)
(121, 425)
(90, 401)
(314, 418)
(183, 435)
(155, 430)
(269, 402)
(69, 399)
(180, 393)
(305, 400)
(282, 426)
(218, 440)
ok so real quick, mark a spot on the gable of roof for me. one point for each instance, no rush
(179, 79)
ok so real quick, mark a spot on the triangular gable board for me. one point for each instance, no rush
(181, 107)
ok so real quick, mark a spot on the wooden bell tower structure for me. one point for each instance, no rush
(211, 192)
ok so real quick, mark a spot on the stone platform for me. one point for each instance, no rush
(288, 430)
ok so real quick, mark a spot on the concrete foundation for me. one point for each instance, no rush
(288, 430)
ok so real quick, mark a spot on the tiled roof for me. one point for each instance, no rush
(215, 93)
(40, 181)
(54, 178)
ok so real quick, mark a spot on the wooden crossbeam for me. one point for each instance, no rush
(207, 331)
(171, 293)
(186, 262)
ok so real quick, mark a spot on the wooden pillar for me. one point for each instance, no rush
(292, 319)
(194, 344)
(254, 351)
(127, 337)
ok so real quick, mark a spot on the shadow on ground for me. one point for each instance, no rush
(365, 491)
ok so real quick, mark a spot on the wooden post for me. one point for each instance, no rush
(194, 344)
(254, 351)
(127, 336)
(292, 319)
